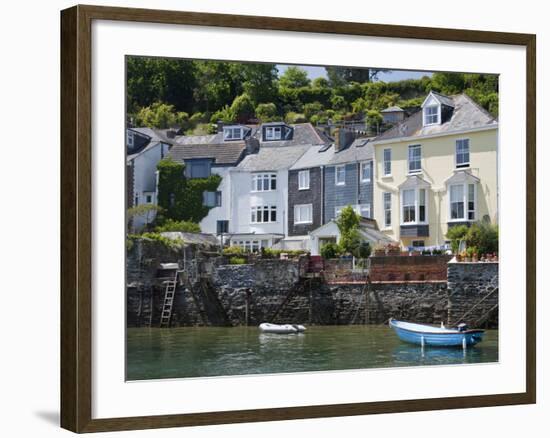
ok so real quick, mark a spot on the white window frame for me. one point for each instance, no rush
(263, 177)
(409, 161)
(366, 166)
(343, 168)
(463, 164)
(303, 185)
(230, 131)
(416, 205)
(270, 209)
(297, 215)
(387, 162)
(387, 208)
(465, 201)
(437, 115)
(273, 132)
(364, 207)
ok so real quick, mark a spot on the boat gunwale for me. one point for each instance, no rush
(465, 332)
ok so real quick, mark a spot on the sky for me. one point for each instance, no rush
(390, 76)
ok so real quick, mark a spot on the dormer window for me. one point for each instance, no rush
(273, 133)
(431, 115)
(232, 133)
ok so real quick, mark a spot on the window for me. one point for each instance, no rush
(457, 202)
(303, 214)
(247, 245)
(415, 157)
(418, 244)
(463, 153)
(409, 209)
(263, 214)
(212, 199)
(130, 139)
(387, 162)
(366, 172)
(273, 132)
(431, 115)
(264, 182)
(198, 169)
(222, 227)
(364, 210)
(303, 180)
(471, 202)
(340, 173)
(232, 133)
(413, 203)
(387, 209)
(148, 199)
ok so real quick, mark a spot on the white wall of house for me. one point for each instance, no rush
(243, 199)
(223, 212)
(145, 179)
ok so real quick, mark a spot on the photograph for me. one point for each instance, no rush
(299, 218)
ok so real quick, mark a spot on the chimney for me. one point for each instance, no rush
(252, 145)
(219, 124)
(343, 138)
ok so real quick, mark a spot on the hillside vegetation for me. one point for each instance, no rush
(196, 94)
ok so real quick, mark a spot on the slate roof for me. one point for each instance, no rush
(202, 239)
(226, 153)
(272, 158)
(445, 100)
(360, 150)
(314, 156)
(392, 109)
(304, 134)
(466, 115)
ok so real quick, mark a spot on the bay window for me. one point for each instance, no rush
(413, 204)
(462, 200)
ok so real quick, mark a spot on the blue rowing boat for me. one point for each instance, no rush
(422, 334)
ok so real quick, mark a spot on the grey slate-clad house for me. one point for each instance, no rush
(348, 179)
(305, 190)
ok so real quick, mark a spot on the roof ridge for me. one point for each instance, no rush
(479, 107)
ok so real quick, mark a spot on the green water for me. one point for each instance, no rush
(221, 351)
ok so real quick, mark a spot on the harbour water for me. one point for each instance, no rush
(154, 353)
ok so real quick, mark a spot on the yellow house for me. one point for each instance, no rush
(436, 169)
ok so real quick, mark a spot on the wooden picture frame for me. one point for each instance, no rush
(76, 217)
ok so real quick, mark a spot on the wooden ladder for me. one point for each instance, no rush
(168, 305)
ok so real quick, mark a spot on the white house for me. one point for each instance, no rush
(259, 196)
(145, 148)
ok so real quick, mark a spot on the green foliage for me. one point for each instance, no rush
(294, 77)
(364, 250)
(312, 109)
(182, 226)
(267, 112)
(330, 250)
(483, 237)
(455, 235)
(242, 108)
(348, 225)
(145, 211)
(292, 117)
(237, 261)
(224, 114)
(162, 116)
(233, 250)
(182, 198)
(270, 253)
(154, 237)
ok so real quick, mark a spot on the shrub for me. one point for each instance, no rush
(233, 250)
(183, 226)
(237, 261)
(484, 237)
(154, 237)
(455, 235)
(330, 250)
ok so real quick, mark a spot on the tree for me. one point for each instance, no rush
(339, 76)
(330, 250)
(294, 77)
(312, 109)
(348, 225)
(242, 108)
(259, 82)
(161, 115)
(483, 237)
(267, 112)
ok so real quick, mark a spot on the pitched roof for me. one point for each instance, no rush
(392, 109)
(445, 100)
(304, 134)
(272, 158)
(360, 150)
(314, 156)
(466, 115)
(222, 153)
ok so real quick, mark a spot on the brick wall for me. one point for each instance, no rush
(409, 268)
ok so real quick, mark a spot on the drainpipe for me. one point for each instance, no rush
(322, 195)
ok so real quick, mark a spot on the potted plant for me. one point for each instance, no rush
(379, 250)
(392, 249)
(459, 257)
(470, 253)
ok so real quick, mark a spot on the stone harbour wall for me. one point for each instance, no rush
(274, 291)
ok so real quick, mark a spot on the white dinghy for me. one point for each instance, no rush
(282, 329)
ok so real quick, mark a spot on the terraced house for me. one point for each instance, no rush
(436, 169)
